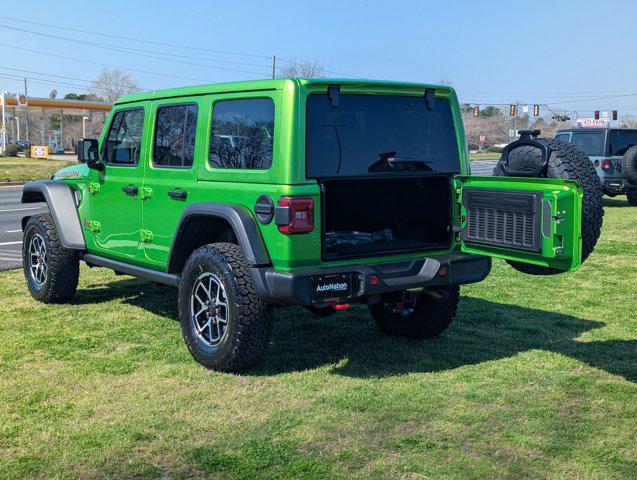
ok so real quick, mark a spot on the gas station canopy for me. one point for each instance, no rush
(19, 105)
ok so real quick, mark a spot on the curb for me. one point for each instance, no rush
(5, 267)
(11, 184)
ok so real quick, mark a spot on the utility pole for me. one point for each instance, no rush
(273, 66)
(4, 130)
(26, 112)
(515, 119)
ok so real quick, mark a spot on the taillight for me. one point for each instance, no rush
(606, 165)
(295, 215)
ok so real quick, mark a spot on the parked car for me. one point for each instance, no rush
(610, 151)
(22, 145)
(318, 193)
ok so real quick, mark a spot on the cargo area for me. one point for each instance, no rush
(371, 216)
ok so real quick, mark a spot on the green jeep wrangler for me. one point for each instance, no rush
(318, 193)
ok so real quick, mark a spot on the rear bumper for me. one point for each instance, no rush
(617, 186)
(295, 287)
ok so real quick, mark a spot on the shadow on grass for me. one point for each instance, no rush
(351, 342)
(612, 202)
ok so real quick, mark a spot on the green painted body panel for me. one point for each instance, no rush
(562, 249)
(140, 229)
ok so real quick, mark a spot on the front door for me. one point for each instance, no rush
(171, 173)
(117, 210)
(529, 220)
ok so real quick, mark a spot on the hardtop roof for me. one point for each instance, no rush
(262, 85)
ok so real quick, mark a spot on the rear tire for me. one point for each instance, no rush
(566, 162)
(51, 271)
(632, 198)
(232, 329)
(427, 317)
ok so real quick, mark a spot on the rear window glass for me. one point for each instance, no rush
(565, 137)
(241, 135)
(379, 134)
(621, 140)
(592, 143)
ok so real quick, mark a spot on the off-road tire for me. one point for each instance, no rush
(430, 318)
(629, 164)
(632, 198)
(249, 316)
(568, 162)
(63, 265)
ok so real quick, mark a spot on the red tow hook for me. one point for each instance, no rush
(340, 306)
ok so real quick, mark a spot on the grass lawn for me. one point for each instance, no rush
(536, 378)
(484, 156)
(20, 169)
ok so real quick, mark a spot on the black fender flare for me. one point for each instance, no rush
(240, 220)
(61, 202)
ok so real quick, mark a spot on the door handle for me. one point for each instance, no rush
(178, 194)
(130, 190)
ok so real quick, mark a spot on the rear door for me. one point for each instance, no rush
(170, 175)
(529, 220)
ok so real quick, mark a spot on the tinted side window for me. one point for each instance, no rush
(124, 139)
(242, 132)
(592, 143)
(621, 140)
(563, 136)
(175, 130)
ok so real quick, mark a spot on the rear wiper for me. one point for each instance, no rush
(407, 160)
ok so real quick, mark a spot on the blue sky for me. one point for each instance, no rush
(492, 51)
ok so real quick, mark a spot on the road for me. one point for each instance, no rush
(11, 213)
(482, 167)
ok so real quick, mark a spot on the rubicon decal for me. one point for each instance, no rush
(331, 287)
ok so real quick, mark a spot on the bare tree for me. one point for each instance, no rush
(303, 69)
(112, 83)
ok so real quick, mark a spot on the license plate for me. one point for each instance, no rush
(336, 286)
(616, 184)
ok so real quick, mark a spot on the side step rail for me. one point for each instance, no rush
(133, 270)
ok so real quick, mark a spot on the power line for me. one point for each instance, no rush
(91, 82)
(125, 50)
(102, 64)
(150, 42)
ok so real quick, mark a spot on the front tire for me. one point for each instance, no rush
(225, 324)
(424, 315)
(51, 271)
(632, 199)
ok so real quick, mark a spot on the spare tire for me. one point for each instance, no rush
(629, 164)
(568, 162)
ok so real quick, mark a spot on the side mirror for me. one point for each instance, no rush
(88, 152)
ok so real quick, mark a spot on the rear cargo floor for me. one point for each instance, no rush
(370, 216)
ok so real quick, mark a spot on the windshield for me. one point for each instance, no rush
(621, 140)
(372, 134)
(592, 143)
